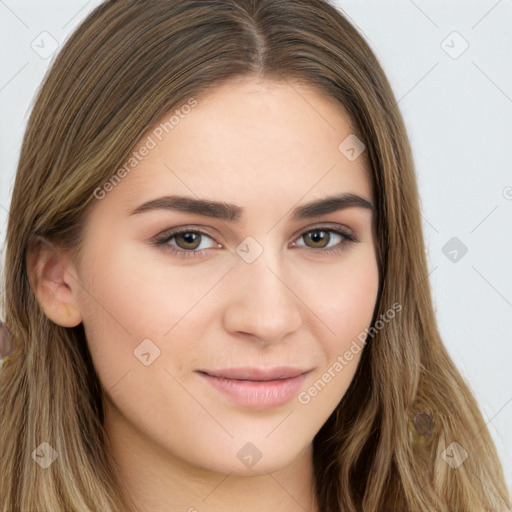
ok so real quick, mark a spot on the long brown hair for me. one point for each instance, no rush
(125, 66)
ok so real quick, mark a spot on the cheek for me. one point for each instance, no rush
(344, 302)
(350, 307)
(125, 287)
(131, 293)
(120, 305)
(344, 297)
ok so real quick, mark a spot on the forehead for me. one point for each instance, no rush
(250, 138)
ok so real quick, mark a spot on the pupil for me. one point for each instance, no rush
(189, 238)
(317, 236)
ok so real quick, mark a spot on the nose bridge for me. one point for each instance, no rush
(261, 302)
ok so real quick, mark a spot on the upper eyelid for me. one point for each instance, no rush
(172, 232)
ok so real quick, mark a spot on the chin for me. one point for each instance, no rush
(256, 458)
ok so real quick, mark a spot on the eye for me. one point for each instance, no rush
(187, 242)
(321, 237)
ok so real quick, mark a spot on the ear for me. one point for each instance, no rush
(54, 280)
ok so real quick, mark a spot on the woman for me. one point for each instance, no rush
(216, 279)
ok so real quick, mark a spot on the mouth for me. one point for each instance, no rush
(253, 387)
(256, 374)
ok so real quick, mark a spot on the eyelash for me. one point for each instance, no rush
(163, 240)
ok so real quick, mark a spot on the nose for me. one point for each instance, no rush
(262, 303)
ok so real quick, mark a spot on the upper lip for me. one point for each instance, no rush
(256, 374)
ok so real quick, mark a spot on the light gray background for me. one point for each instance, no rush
(457, 106)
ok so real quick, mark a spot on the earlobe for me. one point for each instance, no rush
(51, 275)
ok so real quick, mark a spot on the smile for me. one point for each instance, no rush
(255, 387)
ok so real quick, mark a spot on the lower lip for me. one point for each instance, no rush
(258, 394)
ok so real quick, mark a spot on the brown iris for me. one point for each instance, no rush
(317, 237)
(190, 240)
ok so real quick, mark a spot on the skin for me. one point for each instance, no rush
(267, 147)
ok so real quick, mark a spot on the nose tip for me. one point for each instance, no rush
(261, 303)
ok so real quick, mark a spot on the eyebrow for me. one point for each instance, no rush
(233, 213)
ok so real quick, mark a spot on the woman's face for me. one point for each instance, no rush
(225, 349)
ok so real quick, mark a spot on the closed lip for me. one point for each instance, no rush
(257, 374)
